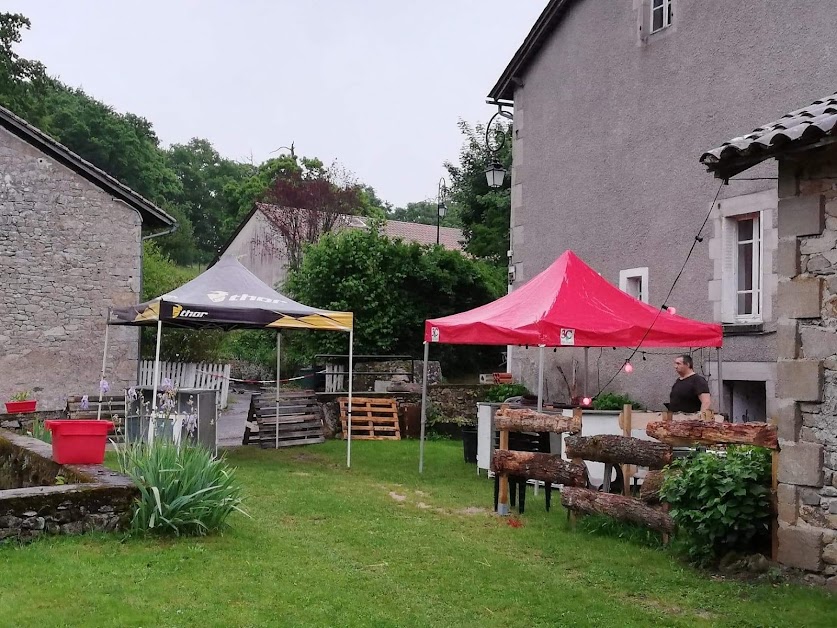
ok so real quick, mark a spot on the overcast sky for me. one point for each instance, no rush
(376, 84)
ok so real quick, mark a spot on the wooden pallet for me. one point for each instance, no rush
(299, 420)
(113, 406)
(372, 419)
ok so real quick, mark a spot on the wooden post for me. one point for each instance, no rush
(774, 515)
(503, 499)
(626, 431)
(578, 413)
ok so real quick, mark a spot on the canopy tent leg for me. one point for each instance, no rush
(278, 379)
(104, 361)
(720, 383)
(423, 406)
(540, 376)
(154, 384)
(586, 370)
(349, 410)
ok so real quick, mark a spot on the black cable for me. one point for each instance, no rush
(698, 238)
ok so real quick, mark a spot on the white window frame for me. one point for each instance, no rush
(758, 268)
(635, 273)
(667, 8)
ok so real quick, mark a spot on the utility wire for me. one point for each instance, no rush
(664, 306)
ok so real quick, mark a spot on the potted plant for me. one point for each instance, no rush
(21, 402)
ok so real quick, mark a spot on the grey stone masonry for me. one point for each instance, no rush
(801, 215)
(807, 367)
(801, 297)
(68, 251)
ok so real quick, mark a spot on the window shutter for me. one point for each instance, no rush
(729, 233)
(645, 20)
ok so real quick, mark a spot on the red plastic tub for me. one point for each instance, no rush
(75, 441)
(19, 407)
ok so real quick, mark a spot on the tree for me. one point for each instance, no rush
(425, 213)
(22, 81)
(204, 175)
(485, 212)
(392, 287)
(307, 202)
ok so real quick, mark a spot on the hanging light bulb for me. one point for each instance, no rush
(643, 357)
(586, 401)
(629, 368)
(672, 310)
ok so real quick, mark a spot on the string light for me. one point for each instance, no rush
(586, 401)
(671, 310)
(629, 368)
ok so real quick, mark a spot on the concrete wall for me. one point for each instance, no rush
(807, 366)
(68, 251)
(608, 132)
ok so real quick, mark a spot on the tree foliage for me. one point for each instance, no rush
(485, 212)
(307, 202)
(426, 213)
(392, 287)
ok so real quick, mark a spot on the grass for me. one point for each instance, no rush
(378, 545)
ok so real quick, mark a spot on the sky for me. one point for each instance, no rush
(377, 85)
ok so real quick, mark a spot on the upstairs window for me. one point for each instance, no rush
(748, 268)
(634, 281)
(661, 14)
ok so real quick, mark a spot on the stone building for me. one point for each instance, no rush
(612, 100)
(804, 143)
(258, 244)
(70, 248)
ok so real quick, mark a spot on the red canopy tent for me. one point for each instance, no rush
(567, 305)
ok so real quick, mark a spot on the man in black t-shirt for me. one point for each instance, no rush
(690, 392)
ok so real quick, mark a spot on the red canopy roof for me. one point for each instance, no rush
(570, 304)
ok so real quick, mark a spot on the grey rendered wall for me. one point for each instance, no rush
(68, 251)
(608, 133)
(261, 251)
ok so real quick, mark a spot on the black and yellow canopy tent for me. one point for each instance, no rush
(227, 296)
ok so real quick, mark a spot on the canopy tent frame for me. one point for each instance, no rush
(569, 316)
(205, 303)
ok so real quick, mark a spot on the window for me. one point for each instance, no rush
(747, 268)
(634, 281)
(661, 14)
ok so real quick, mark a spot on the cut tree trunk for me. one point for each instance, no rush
(616, 506)
(693, 431)
(523, 420)
(619, 450)
(543, 467)
(649, 492)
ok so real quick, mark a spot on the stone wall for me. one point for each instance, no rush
(807, 367)
(68, 251)
(91, 497)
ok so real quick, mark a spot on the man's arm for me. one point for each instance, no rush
(705, 401)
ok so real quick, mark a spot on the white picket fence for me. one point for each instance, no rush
(190, 375)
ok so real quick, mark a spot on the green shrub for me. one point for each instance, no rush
(186, 492)
(614, 401)
(720, 503)
(501, 392)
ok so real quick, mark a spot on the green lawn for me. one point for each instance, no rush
(379, 546)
